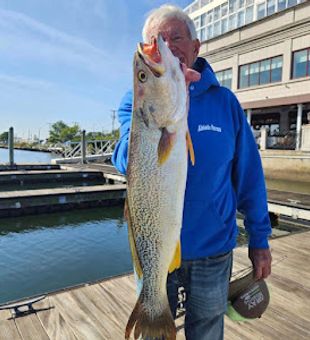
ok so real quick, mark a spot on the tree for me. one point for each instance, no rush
(61, 132)
(4, 137)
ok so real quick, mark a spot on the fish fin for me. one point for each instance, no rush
(176, 261)
(190, 147)
(165, 145)
(132, 243)
(148, 326)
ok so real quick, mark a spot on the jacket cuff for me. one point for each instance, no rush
(258, 242)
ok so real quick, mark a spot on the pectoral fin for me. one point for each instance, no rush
(190, 147)
(132, 243)
(176, 261)
(165, 145)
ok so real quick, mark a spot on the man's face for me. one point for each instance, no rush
(177, 37)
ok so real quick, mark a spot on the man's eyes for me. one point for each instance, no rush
(177, 38)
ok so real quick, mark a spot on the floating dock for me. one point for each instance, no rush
(54, 198)
(100, 310)
(16, 203)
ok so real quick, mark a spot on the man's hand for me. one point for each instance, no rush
(261, 260)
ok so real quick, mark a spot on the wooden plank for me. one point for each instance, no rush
(53, 321)
(30, 328)
(76, 318)
(62, 191)
(8, 330)
(104, 323)
(5, 314)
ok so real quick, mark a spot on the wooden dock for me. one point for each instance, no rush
(100, 310)
(17, 203)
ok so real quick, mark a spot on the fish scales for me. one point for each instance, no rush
(156, 178)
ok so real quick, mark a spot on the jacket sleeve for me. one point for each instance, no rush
(120, 154)
(249, 184)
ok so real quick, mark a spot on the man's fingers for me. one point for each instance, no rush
(266, 271)
(258, 272)
(261, 259)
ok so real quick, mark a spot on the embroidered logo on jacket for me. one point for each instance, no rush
(209, 128)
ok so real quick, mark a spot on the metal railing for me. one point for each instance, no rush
(92, 147)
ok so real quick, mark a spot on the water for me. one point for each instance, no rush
(290, 186)
(24, 156)
(48, 252)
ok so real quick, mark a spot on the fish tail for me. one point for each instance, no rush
(151, 327)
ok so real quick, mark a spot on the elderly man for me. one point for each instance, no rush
(227, 176)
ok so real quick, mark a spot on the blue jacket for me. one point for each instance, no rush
(227, 175)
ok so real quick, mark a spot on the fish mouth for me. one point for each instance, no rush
(151, 57)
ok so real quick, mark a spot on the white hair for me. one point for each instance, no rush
(164, 12)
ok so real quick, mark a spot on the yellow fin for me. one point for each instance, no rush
(176, 261)
(190, 147)
(165, 145)
(132, 243)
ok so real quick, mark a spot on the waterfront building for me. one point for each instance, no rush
(260, 49)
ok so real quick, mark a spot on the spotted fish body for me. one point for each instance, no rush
(156, 178)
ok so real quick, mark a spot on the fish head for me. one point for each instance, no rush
(160, 93)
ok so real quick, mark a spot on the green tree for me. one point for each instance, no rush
(4, 137)
(61, 132)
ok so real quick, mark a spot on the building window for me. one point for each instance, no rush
(241, 4)
(217, 12)
(265, 71)
(291, 3)
(197, 22)
(209, 17)
(249, 2)
(240, 18)
(224, 77)
(243, 76)
(249, 14)
(209, 32)
(271, 7)
(254, 74)
(224, 9)
(301, 63)
(203, 21)
(281, 5)
(276, 69)
(261, 10)
(232, 21)
(261, 72)
(204, 2)
(203, 34)
(224, 24)
(232, 6)
(217, 28)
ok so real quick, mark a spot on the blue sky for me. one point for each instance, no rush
(67, 60)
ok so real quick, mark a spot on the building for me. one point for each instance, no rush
(261, 50)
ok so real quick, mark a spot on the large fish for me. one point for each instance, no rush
(156, 178)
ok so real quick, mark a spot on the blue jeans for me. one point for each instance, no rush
(205, 285)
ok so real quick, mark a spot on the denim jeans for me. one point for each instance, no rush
(205, 283)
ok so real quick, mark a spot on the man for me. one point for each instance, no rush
(227, 176)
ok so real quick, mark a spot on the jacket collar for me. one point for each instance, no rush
(207, 80)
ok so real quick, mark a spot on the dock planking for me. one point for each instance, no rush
(100, 310)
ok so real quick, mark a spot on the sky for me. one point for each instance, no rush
(68, 60)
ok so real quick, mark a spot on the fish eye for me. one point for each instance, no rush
(142, 76)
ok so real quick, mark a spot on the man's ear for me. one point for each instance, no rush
(196, 47)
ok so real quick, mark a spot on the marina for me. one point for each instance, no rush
(92, 298)
(100, 310)
(66, 268)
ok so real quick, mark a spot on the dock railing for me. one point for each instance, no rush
(91, 147)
